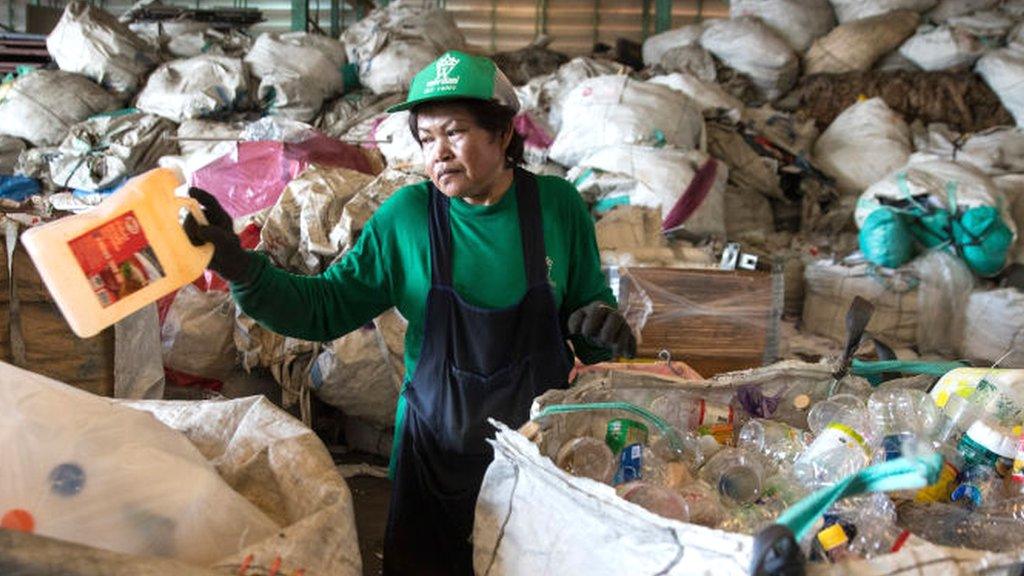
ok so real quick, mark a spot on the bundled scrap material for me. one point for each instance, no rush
(393, 43)
(105, 150)
(708, 95)
(10, 149)
(656, 46)
(942, 48)
(996, 151)
(545, 94)
(749, 47)
(297, 73)
(612, 110)
(851, 10)
(362, 109)
(41, 106)
(936, 206)
(261, 489)
(197, 334)
(959, 99)
(520, 66)
(89, 41)
(197, 87)
(856, 45)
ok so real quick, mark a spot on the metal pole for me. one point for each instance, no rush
(335, 18)
(300, 15)
(662, 15)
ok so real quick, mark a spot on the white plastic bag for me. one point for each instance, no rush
(91, 472)
(863, 145)
(195, 88)
(613, 110)
(41, 106)
(798, 22)
(1003, 71)
(89, 41)
(995, 151)
(751, 48)
(297, 72)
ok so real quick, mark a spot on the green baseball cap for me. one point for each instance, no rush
(459, 75)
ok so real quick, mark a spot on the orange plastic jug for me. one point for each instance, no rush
(104, 264)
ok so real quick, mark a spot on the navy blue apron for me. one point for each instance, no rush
(475, 364)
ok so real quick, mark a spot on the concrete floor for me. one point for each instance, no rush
(371, 502)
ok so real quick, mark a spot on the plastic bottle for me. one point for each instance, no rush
(950, 525)
(104, 264)
(953, 420)
(978, 486)
(779, 443)
(657, 499)
(736, 473)
(903, 418)
(587, 457)
(996, 392)
(693, 413)
(704, 504)
(825, 412)
(987, 445)
(842, 447)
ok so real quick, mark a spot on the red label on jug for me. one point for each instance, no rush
(117, 258)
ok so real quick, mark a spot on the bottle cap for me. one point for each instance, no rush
(992, 439)
(832, 537)
(801, 402)
(19, 520)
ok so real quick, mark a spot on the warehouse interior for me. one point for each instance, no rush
(274, 296)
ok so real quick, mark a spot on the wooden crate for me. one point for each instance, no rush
(51, 348)
(715, 321)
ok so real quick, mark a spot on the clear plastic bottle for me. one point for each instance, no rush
(978, 486)
(736, 473)
(951, 525)
(986, 444)
(954, 418)
(587, 457)
(690, 412)
(704, 503)
(662, 501)
(843, 445)
(903, 419)
(779, 443)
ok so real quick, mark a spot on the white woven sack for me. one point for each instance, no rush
(43, 105)
(994, 327)
(296, 75)
(89, 41)
(751, 48)
(655, 46)
(657, 177)
(798, 22)
(613, 110)
(849, 10)
(942, 48)
(1003, 71)
(195, 88)
(863, 145)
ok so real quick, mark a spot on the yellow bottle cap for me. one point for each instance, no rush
(832, 537)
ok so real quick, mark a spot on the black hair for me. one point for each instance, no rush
(495, 118)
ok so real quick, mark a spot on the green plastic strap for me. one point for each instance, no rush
(898, 474)
(877, 367)
(606, 204)
(663, 427)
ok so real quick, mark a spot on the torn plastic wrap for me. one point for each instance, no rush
(254, 175)
(714, 321)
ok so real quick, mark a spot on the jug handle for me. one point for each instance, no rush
(194, 208)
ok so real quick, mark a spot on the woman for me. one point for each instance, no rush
(492, 267)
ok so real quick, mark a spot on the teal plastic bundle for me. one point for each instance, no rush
(983, 239)
(886, 238)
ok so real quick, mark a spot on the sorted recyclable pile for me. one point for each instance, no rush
(693, 469)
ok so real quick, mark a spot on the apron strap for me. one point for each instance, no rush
(531, 232)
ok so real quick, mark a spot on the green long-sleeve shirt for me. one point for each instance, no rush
(390, 266)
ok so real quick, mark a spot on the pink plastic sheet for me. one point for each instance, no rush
(253, 177)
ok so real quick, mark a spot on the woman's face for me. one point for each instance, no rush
(463, 160)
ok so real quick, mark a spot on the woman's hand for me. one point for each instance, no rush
(604, 326)
(230, 260)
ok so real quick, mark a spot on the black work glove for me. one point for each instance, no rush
(604, 326)
(230, 260)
